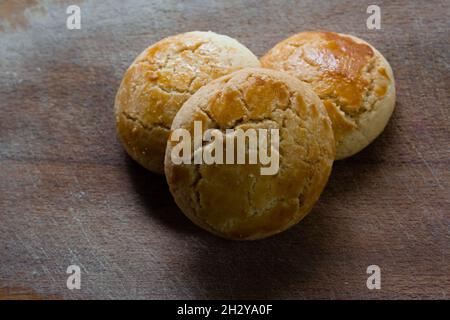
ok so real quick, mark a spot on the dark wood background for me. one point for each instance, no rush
(70, 195)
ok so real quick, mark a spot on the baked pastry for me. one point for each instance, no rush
(353, 79)
(235, 200)
(161, 79)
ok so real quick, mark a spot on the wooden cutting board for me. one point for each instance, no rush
(69, 195)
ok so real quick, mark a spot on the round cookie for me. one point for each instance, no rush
(161, 79)
(236, 201)
(353, 79)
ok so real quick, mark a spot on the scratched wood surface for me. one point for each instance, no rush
(70, 195)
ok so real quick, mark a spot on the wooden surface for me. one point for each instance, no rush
(70, 195)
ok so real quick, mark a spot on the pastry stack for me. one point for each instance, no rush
(328, 95)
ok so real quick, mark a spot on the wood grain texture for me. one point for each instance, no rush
(70, 195)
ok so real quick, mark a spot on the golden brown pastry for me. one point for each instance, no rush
(161, 79)
(235, 200)
(353, 79)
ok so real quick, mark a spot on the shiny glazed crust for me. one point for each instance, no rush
(353, 79)
(161, 79)
(234, 200)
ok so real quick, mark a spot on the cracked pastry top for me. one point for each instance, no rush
(353, 79)
(234, 200)
(161, 79)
